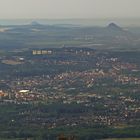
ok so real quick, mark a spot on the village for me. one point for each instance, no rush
(99, 89)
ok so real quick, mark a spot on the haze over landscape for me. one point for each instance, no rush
(69, 70)
(97, 12)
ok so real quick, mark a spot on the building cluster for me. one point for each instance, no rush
(41, 52)
(106, 89)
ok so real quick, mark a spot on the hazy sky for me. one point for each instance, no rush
(69, 8)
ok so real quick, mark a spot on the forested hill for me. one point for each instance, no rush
(36, 35)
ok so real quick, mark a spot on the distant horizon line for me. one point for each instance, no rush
(123, 22)
(70, 18)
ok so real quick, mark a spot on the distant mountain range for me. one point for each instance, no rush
(42, 36)
(35, 23)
